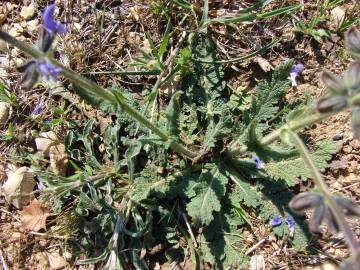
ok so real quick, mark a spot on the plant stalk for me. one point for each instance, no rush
(319, 182)
(235, 150)
(98, 91)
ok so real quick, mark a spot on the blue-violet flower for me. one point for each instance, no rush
(276, 221)
(294, 72)
(49, 70)
(38, 108)
(50, 24)
(258, 162)
(290, 222)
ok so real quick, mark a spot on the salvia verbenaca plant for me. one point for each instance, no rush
(326, 207)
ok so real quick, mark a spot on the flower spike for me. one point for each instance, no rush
(51, 25)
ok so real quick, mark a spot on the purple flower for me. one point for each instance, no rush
(294, 72)
(51, 25)
(290, 222)
(276, 221)
(49, 70)
(258, 162)
(38, 108)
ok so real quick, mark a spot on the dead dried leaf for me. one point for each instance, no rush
(33, 217)
(337, 16)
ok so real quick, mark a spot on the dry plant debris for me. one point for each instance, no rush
(33, 216)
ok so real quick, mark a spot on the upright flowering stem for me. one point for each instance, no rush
(319, 182)
(115, 98)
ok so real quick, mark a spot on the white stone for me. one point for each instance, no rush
(257, 262)
(27, 12)
(16, 30)
(45, 141)
(324, 266)
(18, 187)
(56, 261)
(33, 25)
(2, 45)
(4, 113)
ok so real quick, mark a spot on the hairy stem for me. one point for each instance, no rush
(319, 182)
(117, 98)
(294, 125)
(235, 149)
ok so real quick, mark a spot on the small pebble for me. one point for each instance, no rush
(9, 7)
(347, 149)
(338, 137)
(16, 30)
(2, 45)
(257, 262)
(338, 164)
(33, 25)
(27, 12)
(353, 166)
(4, 112)
(2, 18)
(16, 235)
(355, 144)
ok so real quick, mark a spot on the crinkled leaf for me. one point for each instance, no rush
(188, 122)
(209, 191)
(244, 191)
(206, 83)
(222, 242)
(269, 93)
(218, 131)
(295, 167)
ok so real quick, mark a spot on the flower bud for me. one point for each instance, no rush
(331, 104)
(355, 122)
(333, 83)
(352, 77)
(350, 208)
(352, 263)
(31, 74)
(352, 42)
(305, 201)
(45, 40)
(316, 218)
(331, 221)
